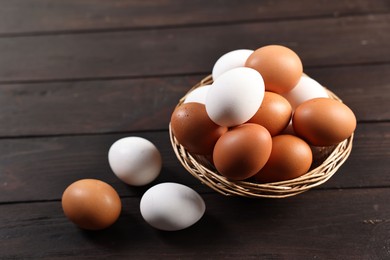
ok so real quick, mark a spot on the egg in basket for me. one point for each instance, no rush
(259, 127)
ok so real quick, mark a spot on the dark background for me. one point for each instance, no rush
(75, 76)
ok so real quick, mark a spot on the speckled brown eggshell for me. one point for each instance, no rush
(242, 151)
(323, 121)
(91, 204)
(194, 130)
(274, 113)
(280, 67)
(290, 158)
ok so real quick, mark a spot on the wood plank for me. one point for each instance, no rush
(91, 106)
(146, 104)
(75, 76)
(190, 50)
(368, 164)
(45, 16)
(41, 168)
(365, 89)
(332, 224)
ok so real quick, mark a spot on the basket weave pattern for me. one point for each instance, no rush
(203, 170)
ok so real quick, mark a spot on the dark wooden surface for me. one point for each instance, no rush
(75, 76)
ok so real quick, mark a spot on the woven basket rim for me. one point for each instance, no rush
(199, 167)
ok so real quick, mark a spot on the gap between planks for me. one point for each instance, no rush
(189, 25)
(168, 75)
(318, 189)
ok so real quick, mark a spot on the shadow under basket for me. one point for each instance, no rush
(330, 161)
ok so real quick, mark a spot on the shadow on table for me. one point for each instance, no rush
(226, 221)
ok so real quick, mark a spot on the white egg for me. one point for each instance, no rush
(235, 96)
(198, 95)
(171, 206)
(307, 88)
(135, 160)
(230, 60)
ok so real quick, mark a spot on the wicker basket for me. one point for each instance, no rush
(203, 170)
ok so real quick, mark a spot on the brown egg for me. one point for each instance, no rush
(274, 113)
(324, 121)
(280, 67)
(242, 151)
(290, 157)
(91, 204)
(193, 128)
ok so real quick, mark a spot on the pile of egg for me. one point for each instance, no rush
(92, 204)
(262, 117)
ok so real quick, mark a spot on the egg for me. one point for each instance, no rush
(242, 151)
(198, 95)
(323, 121)
(274, 113)
(306, 89)
(91, 204)
(193, 128)
(230, 60)
(171, 206)
(235, 96)
(135, 160)
(290, 158)
(280, 67)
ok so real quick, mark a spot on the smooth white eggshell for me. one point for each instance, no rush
(135, 160)
(307, 88)
(230, 60)
(171, 206)
(235, 96)
(198, 95)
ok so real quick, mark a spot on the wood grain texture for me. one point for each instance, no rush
(331, 224)
(44, 16)
(41, 168)
(91, 106)
(75, 76)
(365, 89)
(183, 50)
(146, 104)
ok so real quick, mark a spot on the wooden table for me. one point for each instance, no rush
(78, 75)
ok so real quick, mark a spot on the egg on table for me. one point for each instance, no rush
(171, 206)
(91, 204)
(135, 160)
